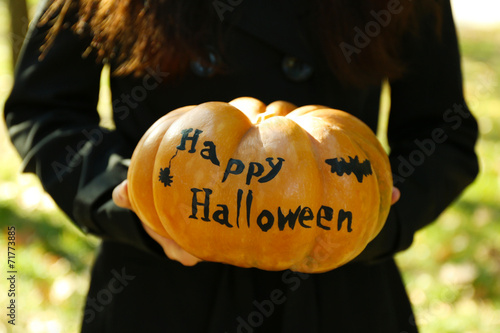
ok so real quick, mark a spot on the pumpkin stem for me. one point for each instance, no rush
(266, 115)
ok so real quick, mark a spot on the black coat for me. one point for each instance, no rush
(52, 119)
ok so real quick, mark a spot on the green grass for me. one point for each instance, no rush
(52, 257)
(452, 271)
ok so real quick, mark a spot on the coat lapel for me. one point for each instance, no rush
(278, 23)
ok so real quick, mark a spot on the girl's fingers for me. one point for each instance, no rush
(173, 250)
(120, 195)
(396, 194)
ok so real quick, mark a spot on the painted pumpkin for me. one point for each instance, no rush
(274, 187)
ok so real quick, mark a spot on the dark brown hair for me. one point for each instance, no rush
(137, 34)
(362, 39)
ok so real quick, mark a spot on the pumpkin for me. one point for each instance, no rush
(273, 187)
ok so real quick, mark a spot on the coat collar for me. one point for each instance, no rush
(279, 23)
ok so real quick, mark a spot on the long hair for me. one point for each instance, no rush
(138, 34)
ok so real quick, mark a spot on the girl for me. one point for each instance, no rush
(167, 54)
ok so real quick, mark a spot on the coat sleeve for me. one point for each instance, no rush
(432, 136)
(52, 118)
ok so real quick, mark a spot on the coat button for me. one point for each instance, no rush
(205, 67)
(295, 69)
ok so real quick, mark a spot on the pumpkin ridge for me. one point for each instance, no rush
(355, 137)
(137, 203)
(370, 230)
(383, 211)
(313, 143)
(309, 262)
(319, 233)
(371, 143)
(293, 127)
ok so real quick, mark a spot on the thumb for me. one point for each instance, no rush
(120, 195)
(396, 194)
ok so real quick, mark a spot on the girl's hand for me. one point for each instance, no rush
(396, 194)
(171, 248)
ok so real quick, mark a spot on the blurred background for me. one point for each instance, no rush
(452, 271)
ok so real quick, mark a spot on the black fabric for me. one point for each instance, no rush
(132, 292)
(52, 120)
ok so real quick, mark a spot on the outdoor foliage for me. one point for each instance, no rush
(452, 271)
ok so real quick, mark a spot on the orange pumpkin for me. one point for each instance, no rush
(274, 187)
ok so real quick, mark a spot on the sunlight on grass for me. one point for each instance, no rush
(452, 271)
